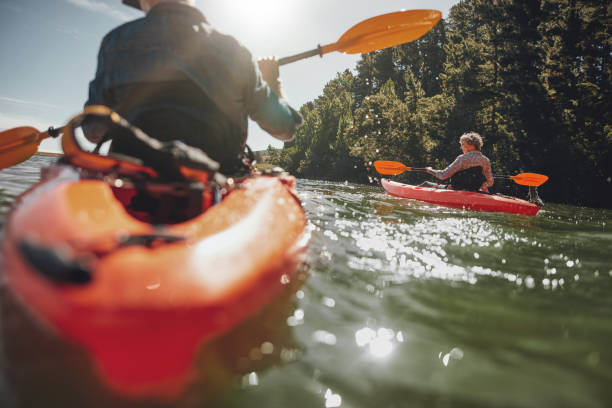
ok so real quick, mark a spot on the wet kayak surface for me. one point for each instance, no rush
(400, 304)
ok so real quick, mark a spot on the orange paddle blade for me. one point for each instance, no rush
(529, 179)
(385, 31)
(18, 145)
(390, 168)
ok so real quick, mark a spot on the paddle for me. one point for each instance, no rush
(19, 144)
(392, 168)
(377, 33)
(527, 179)
(387, 30)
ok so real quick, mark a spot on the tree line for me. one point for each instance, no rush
(532, 77)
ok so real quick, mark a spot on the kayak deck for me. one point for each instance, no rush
(150, 305)
(461, 199)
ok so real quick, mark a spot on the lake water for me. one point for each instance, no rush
(400, 304)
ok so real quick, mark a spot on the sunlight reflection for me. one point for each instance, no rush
(250, 380)
(419, 250)
(324, 337)
(412, 242)
(455, 354)
(379, 342)
(296, 319)
(329, 302)
(332, 400)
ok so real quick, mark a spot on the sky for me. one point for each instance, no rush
(49, 49)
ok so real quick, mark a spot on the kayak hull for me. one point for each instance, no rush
(461, 199)
(149, 308)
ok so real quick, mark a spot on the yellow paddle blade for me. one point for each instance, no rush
(390, 168)
(385, 31)
(529, 179)
(18, 145)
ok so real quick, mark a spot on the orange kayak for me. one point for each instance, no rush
(142, 298)
(461, 199)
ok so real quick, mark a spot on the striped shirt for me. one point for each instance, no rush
(464, 162)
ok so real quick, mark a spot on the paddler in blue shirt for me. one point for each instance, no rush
(471, 170)
(175, 77)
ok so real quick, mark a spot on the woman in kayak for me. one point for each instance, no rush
(471, 170)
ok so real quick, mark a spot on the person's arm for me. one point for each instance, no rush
(268, 67)
(488, 173)
(267, 105)
(454, 167)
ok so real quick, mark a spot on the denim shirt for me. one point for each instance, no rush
(175, 43)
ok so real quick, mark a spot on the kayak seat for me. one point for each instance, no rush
(164, 205)
(163, 182)
(468, 180)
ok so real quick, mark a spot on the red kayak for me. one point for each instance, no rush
(461, 199)
(141, 296)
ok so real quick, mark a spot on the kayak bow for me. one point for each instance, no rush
(154, 293)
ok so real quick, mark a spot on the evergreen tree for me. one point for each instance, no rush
(532, 77)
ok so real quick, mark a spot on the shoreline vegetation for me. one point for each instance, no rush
(533, 78)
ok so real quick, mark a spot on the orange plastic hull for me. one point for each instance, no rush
(147, 310)
(461, 199)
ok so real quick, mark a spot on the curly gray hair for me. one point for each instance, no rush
(472, 138)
